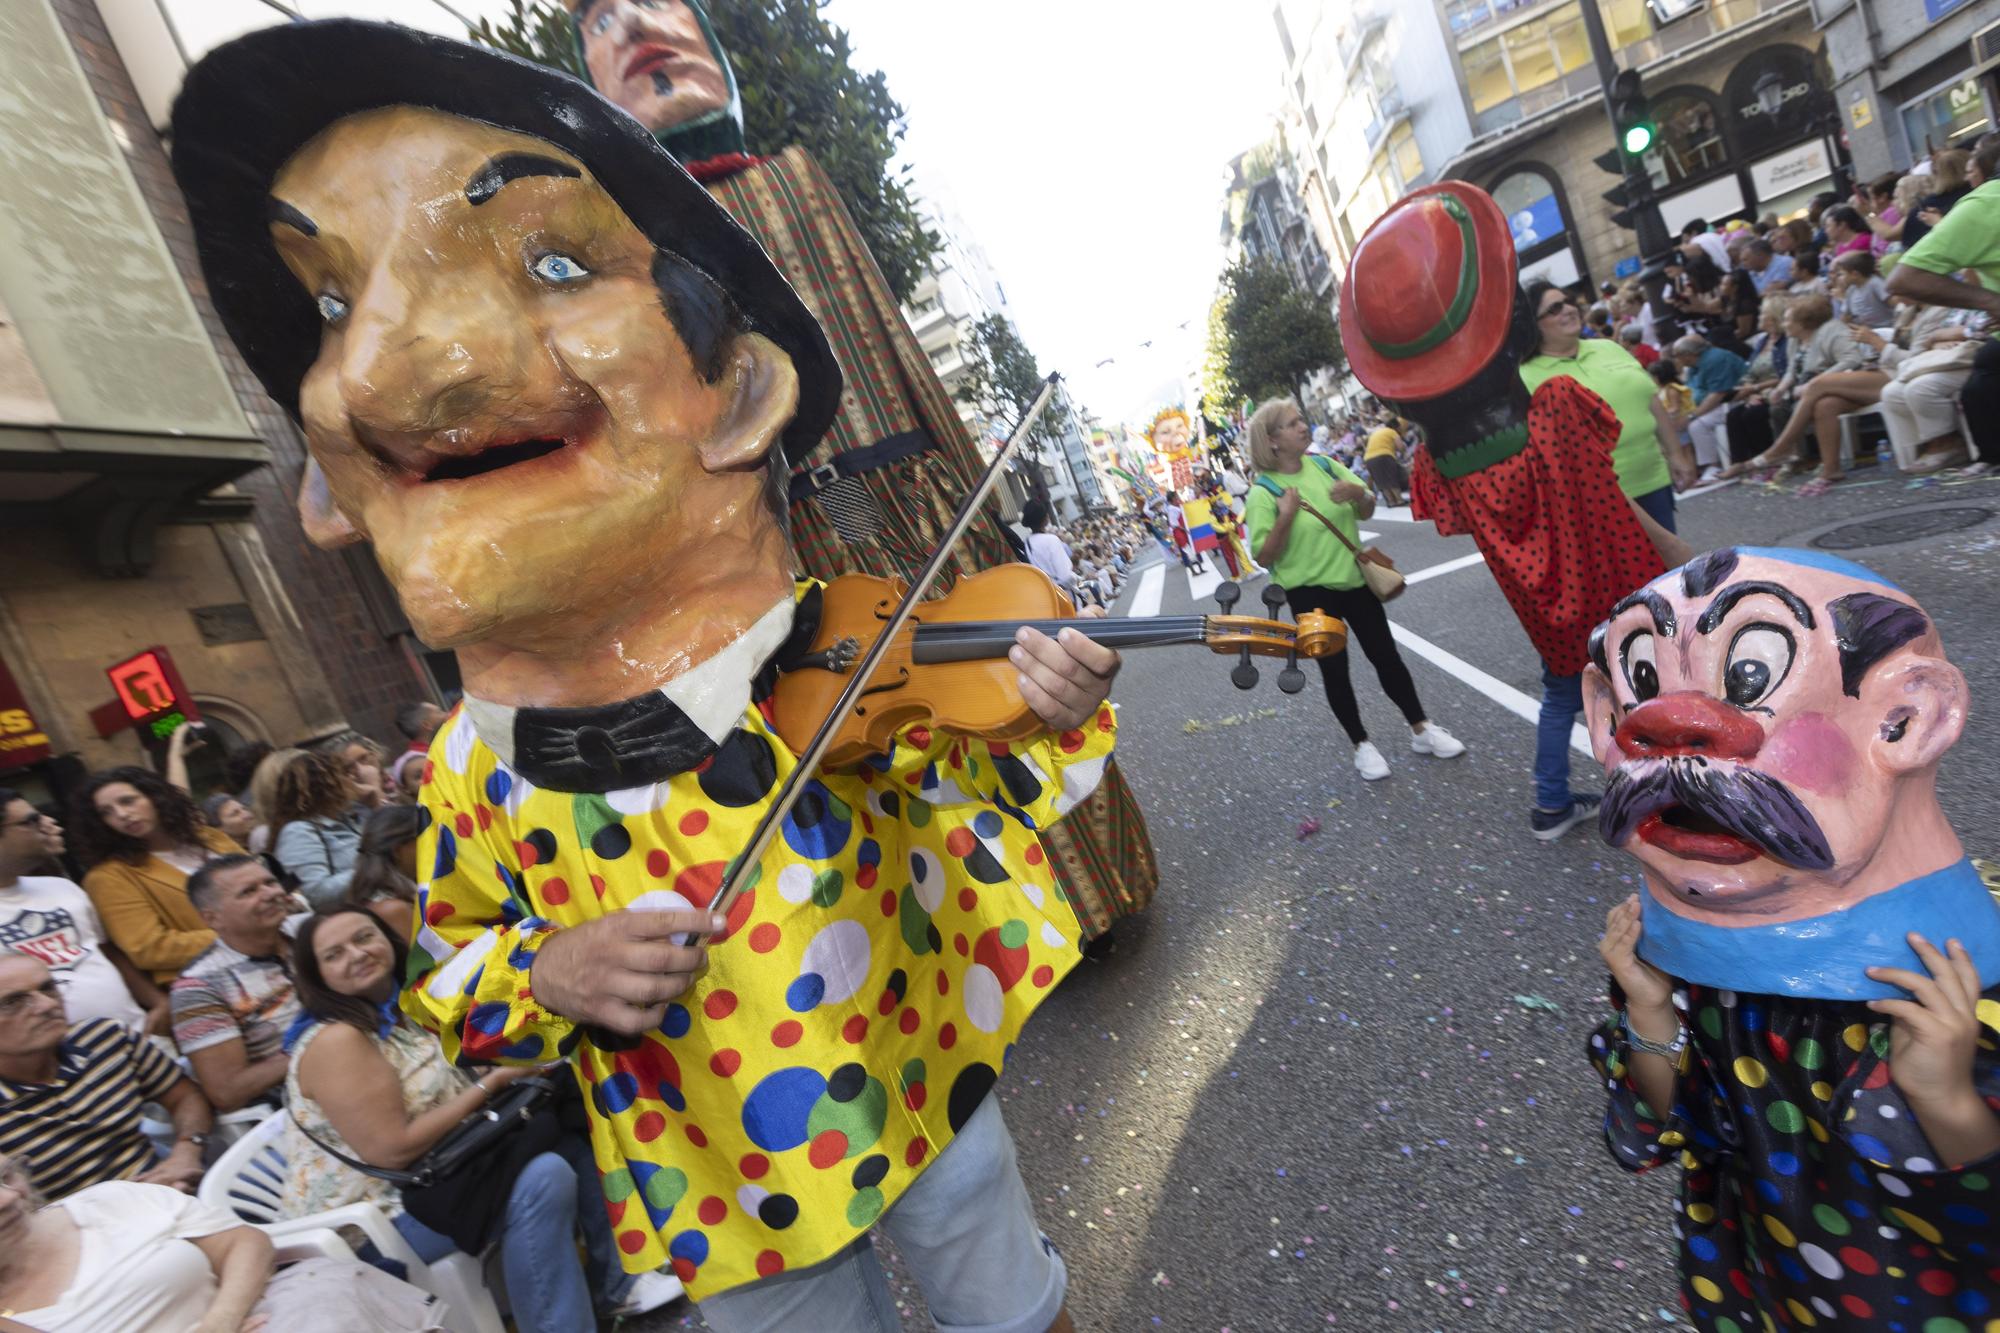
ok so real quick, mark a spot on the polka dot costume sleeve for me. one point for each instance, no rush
(1821, 1204)
(1641, 1137)
(1431, 499)
(853, 1016)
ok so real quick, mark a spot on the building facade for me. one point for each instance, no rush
(1911, 76)
(147, 481)
(1505, 94)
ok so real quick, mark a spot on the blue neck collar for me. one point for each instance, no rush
(1824, 957)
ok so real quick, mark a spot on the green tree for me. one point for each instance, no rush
(1265, 336)
(799, 87)
(1002, 381)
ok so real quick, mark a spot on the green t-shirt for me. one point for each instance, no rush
(1966, 237)
(1313, 556)
(1615, 375)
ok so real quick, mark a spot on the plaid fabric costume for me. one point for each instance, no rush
(1101, 848)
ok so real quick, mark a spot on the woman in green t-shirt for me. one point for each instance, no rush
(1644, 459)
(1318, 572)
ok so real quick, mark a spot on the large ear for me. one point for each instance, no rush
(325, 525)
(764, 396)
(1919, 706)
(1600, 715)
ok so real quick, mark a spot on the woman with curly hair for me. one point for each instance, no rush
(139, 838)
(309, 802)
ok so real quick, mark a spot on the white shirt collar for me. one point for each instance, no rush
(713, 693)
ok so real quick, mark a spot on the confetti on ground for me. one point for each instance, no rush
(1307, 827)
(1533, 1002)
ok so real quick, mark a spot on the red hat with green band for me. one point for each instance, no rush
(1430, 293)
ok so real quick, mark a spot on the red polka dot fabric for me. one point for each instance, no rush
(1556, 530)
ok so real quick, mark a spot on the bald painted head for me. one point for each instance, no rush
(1771, 723)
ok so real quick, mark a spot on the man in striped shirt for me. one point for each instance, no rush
(70, 1097)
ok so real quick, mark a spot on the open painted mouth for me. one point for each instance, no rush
(650, 60)
(1695, 837)
(459, 467)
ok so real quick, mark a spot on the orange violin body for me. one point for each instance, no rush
(948, 668)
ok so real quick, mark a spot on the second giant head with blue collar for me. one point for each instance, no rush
(1771, 723)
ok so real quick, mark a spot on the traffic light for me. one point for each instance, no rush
(1631, 114)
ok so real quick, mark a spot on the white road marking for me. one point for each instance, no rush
(1386, 514)
(1366, 535)
(1146, 597)
(1499, 691)
(1448, 567)
(1201, 586)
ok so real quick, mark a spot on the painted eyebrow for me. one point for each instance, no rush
(277, 210)
(1726, 600)
(486, 182)
(1662, 610)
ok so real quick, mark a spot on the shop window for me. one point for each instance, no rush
(1408, 158)
(1486, 76)
(1531, 54)
(1625, 22)
(1691, 143)
(1533, 211)
(1572, 43)
(1949, 117)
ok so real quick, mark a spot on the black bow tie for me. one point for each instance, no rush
(629, 744)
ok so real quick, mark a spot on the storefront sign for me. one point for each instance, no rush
(151, 692)
(1790, 170)
(1937, 9)
(22, 740)
(1783, 77)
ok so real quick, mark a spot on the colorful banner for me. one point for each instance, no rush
(1201, 525)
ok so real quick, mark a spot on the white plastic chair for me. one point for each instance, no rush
(248, 1179)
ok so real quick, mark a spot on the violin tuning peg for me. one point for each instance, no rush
(1274, 598)
(1244, 676)
(1227, 594)
(1291, 680)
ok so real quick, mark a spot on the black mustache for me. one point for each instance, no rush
(1754, 806)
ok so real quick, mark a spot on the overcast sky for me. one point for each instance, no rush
(1086, 143)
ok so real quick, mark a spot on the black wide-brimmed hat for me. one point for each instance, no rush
(249, 105)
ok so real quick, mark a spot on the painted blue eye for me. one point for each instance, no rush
(559, 268)
(331, 308)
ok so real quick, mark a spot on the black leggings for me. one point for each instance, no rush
(1367, 625)
(1981, 400)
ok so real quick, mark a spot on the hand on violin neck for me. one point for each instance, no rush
(1064, 678)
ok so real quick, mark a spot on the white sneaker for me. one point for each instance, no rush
(1436, 742)
(648, 1292)
(1369, 763)
(1708, 474)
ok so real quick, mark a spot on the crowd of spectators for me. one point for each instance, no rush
(1881, 302)
(154, 1011)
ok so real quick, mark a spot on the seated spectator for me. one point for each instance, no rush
(315, 826)
(1766, 266)
(1806, 280)
(233, 1003)
(70, 1097)
(418, 722)
(126, 1257)
(368, 1084)
(1859, 293)
(138, 839)
(1829, 377)
(366, 766)
(229, 814)
(1631, 341)
(46, 917)
(385, 869)
(1948, 185)
(1753, 418)
(1048, 552)
(1920, 401)
(1712, 376)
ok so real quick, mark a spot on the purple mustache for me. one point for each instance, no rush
(1754, 806)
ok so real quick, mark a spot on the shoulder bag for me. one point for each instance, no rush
(1378, 571)
(460, 1186)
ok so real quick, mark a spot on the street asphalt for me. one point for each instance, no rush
(1335, 1076)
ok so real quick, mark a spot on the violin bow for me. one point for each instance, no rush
(746, 865)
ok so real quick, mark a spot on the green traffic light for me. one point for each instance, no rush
(1638, 138)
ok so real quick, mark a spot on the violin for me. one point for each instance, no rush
(947, 666)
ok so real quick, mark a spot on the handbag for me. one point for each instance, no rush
(1954, 356)
(1378, 571)
(460, 1186)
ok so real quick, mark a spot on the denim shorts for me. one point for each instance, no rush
(967, 1231)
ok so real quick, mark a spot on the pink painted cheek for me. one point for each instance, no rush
(1812, 752)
